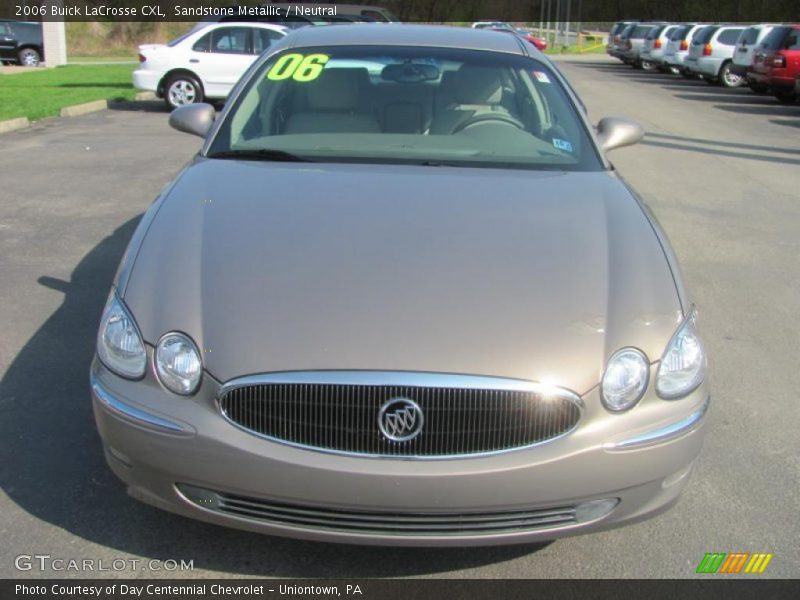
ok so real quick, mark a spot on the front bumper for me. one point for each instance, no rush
(157, 443)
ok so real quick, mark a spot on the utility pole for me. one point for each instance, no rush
(541, 17)
(566, 26)
(549, 12)
(557, 20)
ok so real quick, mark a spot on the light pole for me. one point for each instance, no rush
(541, 17)
(549, 12)
(557, 20)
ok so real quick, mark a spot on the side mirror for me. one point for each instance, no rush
(617, 132)
(193, 118)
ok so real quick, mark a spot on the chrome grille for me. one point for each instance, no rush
(458, 421)
(386, 523)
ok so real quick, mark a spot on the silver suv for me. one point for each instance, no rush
(746, 45)
(614, 37)
(711, 55)
(678, 47)
(633, 42)
(652, 53)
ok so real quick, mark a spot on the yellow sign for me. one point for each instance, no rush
(299, 67)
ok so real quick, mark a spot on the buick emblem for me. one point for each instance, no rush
(400, 420)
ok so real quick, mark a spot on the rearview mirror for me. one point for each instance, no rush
(410, 72)
(193, 118)
(616, 132)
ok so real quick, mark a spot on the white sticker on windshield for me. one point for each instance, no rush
(562, 145)
(541, 77)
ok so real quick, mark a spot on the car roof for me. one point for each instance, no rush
(260, 24)
(18, 22)
(409, 35)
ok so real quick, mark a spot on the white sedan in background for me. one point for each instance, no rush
(203, 64)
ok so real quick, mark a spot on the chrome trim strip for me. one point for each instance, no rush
(663, 434)
(398, 378)
(126, 410)
(402, 379)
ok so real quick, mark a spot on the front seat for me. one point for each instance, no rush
(477, 91)
(333, 105)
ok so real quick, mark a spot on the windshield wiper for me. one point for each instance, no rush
(260, 154)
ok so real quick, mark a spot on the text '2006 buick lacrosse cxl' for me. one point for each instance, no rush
(401, 297)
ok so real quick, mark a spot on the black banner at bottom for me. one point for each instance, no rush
(395, 589)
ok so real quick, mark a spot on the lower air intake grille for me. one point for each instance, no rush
(386, 523)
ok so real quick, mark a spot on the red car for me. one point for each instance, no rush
(540, 43)
(776, 64)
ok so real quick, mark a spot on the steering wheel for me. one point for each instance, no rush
(486, 117)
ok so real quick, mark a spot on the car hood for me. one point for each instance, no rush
(296, 266)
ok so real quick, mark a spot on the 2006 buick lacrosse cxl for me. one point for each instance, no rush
(401, 297)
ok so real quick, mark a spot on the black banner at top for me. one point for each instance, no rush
(585, 11)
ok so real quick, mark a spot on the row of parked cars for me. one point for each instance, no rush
(765, 57)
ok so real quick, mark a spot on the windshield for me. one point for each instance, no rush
(680, 33)
(640, 32)
(704, 35)
(618, 26)
(774, 40)
(656, 32)
(406, 105)
(749, 36)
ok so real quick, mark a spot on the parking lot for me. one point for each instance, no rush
(718, 167)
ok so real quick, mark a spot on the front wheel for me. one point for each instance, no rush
(29, 57)
(728, 78)
(182, 90)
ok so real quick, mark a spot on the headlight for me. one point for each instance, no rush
(178, 363)
(683, 366)
(625, 379)
(119, 343)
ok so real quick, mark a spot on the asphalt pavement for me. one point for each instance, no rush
(720, 170)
